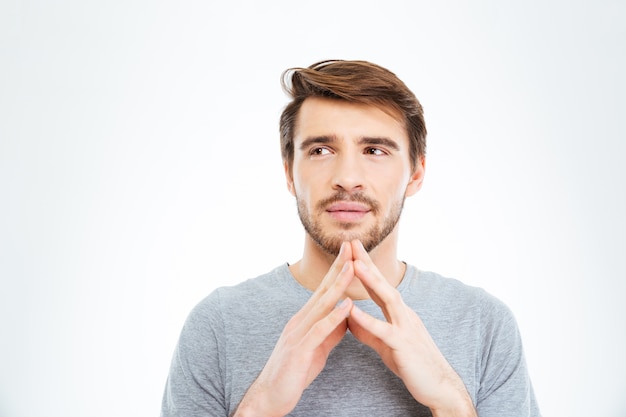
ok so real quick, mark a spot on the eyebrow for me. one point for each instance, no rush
(366, 140)
(317, 140)
(378, 141)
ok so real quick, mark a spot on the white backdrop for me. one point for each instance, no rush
(140, 169)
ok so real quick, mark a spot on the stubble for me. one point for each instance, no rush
(330, 241)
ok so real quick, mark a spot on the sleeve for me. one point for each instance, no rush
(195, 384)
(505, 386)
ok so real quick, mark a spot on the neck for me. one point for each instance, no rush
(315, 263)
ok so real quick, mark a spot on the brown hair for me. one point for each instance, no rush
(357, 82)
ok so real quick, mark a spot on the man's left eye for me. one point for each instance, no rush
(375, 151)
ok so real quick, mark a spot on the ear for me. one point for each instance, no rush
(417, 178)
(289, 178)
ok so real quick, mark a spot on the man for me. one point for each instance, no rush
(350, 330)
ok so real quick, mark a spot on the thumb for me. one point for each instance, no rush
(361, 333)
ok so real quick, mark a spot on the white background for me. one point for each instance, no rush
(140, 169)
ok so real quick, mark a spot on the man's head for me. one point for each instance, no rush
(353, 141)
(355, 82)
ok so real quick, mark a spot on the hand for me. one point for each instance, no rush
(404, 344)
(304, 345)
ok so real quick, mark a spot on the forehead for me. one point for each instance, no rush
(325, 116)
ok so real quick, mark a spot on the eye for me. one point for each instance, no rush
(319, 151)
(375, 151)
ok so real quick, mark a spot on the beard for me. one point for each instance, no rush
(331, 242)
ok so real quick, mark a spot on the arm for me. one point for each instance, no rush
(303, 347)
(194, 385)
(405, 345)
(505, 386)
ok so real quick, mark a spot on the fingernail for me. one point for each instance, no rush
(361, 264)
(343, 305)
(341, 248)
(345, 267)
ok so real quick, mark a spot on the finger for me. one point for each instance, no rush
(320, 332)
(362, 334)
(384, 294)
(345, 255)
(369, 330)
(335, 336)
(326, 301)
(330, 280)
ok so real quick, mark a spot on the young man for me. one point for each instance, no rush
(350, 330)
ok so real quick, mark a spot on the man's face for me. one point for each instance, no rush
(351, 172)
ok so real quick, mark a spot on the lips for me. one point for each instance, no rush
(347, 211)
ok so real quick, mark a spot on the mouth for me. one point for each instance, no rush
(347, 212)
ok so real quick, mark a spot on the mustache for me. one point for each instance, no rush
(344, 197)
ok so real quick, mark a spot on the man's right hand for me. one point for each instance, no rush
(304, 345)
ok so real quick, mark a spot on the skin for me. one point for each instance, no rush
(339, 151)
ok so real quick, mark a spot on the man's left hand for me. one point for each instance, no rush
(404, 344)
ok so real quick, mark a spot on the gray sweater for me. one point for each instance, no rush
(228, 337)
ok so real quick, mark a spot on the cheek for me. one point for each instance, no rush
(396, 197)
(302, 191)
(395, 182)
(393, 196)
(300, 184)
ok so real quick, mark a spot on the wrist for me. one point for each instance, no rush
(455, 412)
(454, 402)
(459, 406)
(255, 404)
(247, 410)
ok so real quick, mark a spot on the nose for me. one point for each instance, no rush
(347, 175)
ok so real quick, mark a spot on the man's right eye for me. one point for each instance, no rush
(319, 151)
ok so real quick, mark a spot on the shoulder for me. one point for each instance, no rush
(247, 289)
(474, 329)
(269, 293)
(446, 301)
(434, 288)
